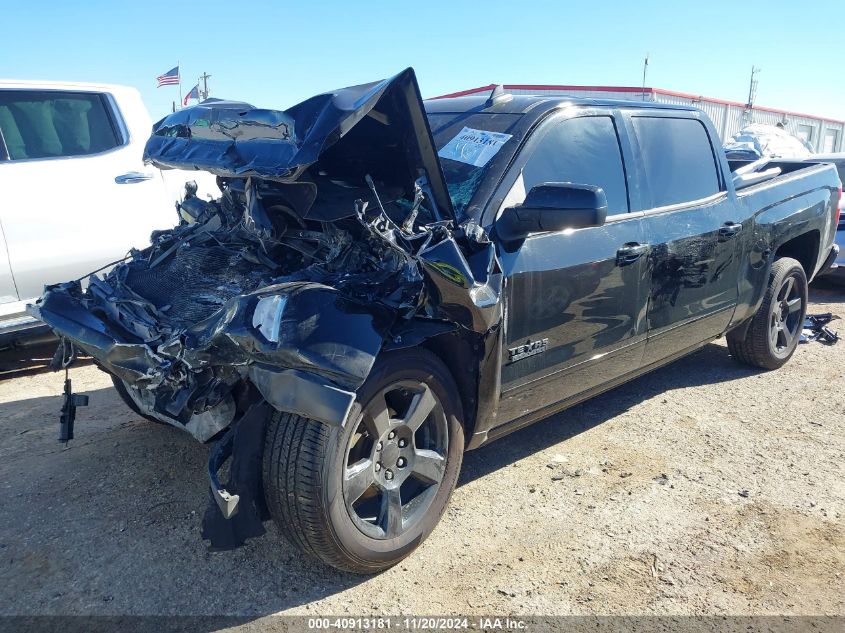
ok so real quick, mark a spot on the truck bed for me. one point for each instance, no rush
(747, 173)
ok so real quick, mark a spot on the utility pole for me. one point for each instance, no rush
(752, 88)
(204, 92)
(645, 68)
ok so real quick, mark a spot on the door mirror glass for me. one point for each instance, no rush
(553, 206)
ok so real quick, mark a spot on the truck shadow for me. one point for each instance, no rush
(709, 365)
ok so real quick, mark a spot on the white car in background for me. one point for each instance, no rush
(76, 194)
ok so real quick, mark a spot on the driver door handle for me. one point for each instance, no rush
(631, 252)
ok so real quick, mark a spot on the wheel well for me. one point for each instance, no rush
(457, 354)
(804, 248)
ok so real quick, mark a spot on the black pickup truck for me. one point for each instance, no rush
(385, 283)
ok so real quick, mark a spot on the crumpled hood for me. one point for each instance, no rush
(377, 129)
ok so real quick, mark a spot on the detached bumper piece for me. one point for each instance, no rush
(237, 510)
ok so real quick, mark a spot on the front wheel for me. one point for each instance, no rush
(775, 330)
(362, 497)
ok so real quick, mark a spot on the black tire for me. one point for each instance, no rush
(124, 395)
(307, 466)
(765, 344)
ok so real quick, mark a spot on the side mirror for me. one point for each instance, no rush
(553, 206)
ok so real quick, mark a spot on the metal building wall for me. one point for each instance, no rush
(716, 111)
(730, 119)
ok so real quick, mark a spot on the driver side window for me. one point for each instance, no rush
(583, 150)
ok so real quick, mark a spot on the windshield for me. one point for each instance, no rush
(466, 143)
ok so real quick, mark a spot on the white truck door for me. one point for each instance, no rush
(76, 193)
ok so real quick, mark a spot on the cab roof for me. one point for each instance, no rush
(536, 105)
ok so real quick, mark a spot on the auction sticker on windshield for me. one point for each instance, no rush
(474, 147)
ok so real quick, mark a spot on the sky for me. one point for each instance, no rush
(275, 54)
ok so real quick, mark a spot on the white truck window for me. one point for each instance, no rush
(53, 124)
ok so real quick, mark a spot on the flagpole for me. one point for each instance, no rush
(179, 70)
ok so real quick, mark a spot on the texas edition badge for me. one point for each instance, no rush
(529, 348)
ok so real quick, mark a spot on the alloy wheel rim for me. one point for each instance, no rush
(786, 316)
(395, 460)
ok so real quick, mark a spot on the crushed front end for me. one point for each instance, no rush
(333, 238)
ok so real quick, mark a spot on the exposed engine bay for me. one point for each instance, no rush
(243, 287)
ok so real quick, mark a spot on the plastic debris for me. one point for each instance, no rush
(815, 329)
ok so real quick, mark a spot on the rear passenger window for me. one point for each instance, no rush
(677, 158)
(50, 124)
(585, 151)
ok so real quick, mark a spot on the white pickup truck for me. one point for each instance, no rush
(76, 194)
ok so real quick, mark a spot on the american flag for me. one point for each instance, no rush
(170, 78)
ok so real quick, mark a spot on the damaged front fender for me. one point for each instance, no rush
(302, 393)
(310, 327)
(306, 348)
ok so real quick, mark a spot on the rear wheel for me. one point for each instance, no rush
(363, 497)
(775, 330)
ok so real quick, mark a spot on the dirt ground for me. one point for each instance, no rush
(705, 487)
